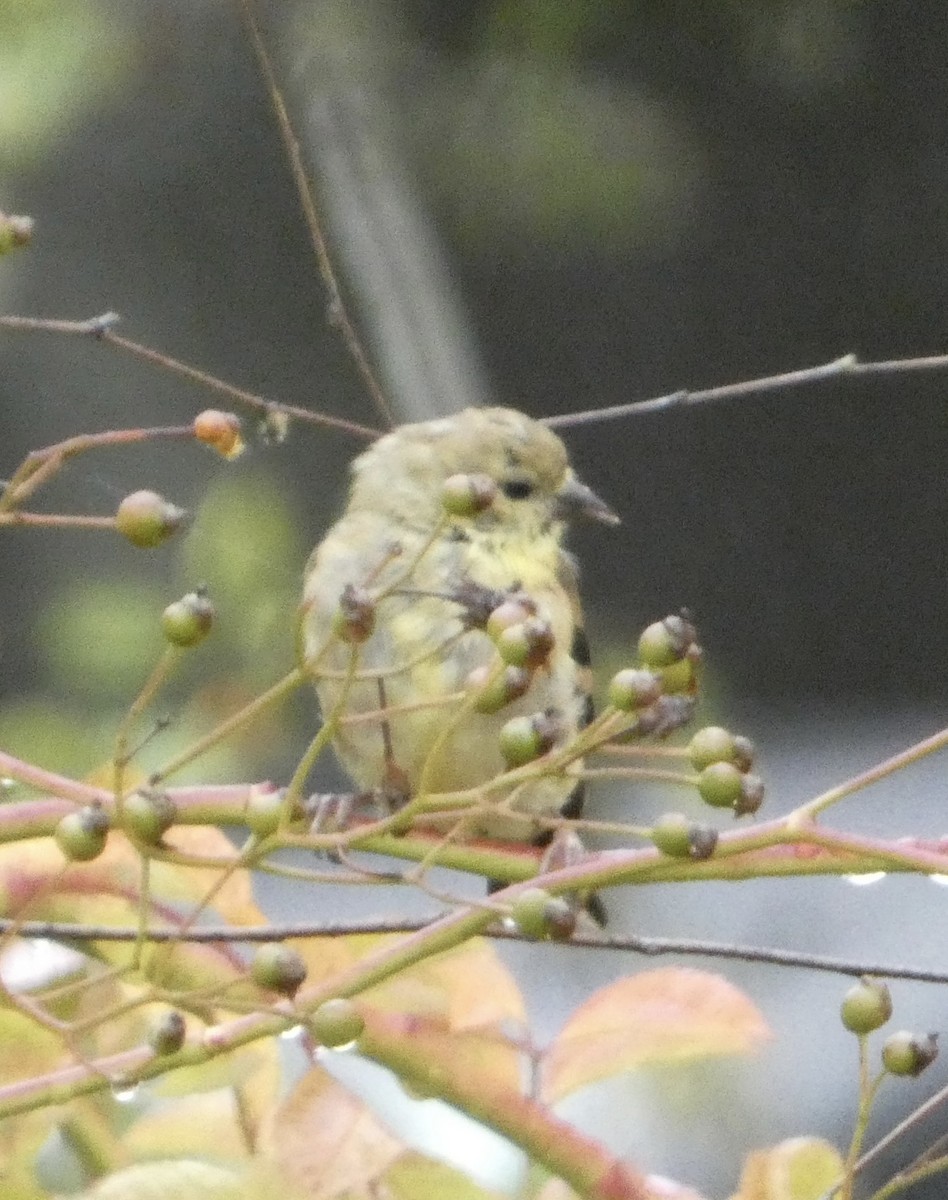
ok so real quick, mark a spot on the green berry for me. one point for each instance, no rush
(525, 738)
(634, 688)
(468, 495)
(678, 677)
(81, 835)
(188, 621)
(496, 691)
(166, 1035)
(520, 742)
(866, 1006)
(671, 834)
(278, 968)
(905, 1053)
(264, 809)
(148, 519)
(720, 785)
(658, 647)
(527, 644)
(148, 815)
(711, 744)
(529, 913)
(666, 642)
(337, 1023)
(517, 608)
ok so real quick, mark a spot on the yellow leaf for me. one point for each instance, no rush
(415, 1177)
(799, 1169)
(660, 1017)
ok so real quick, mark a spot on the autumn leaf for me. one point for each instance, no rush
(672, 1015)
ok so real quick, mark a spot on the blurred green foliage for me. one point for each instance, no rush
(56, 60)
(98, 638)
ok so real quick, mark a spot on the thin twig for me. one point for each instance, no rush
(100, 329)
(651, 947)
(848, 364)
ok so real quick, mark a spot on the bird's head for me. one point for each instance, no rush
(404, 472)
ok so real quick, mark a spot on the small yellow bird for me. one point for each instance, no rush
(417, 577)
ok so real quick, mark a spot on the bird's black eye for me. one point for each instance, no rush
(517, 489)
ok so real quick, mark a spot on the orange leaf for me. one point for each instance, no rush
(659, 1017)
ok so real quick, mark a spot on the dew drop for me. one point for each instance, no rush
(865, 879)
(345, 1048)
(125, 1093)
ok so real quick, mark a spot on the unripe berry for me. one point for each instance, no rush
(148, 519)
(711, 744)
(354, 620)
(166, 1035)
(658, 647)
(866, 1006)
(527, 644)
(529, 912)
(220, 431)
(264, 809)
(671, 834)
(148, 815)
(679, 677)
(720, 785)
(81, 835)
(468, 495)
(279, 968)
(634, 688)
(516, 609)
(496, 691)
(905, 1053)
(520, 741)
(337, 1023)
(188, 621)
(665, 642)
(525, 738)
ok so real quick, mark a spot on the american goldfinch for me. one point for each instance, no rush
(395, 623)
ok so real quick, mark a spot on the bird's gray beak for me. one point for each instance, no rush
(575, 499)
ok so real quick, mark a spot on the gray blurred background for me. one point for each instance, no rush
(557, 206)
